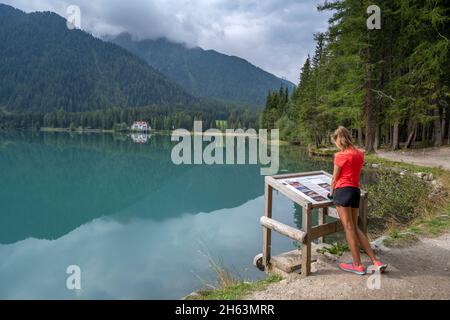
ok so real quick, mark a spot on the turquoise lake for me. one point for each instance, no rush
(138, 226)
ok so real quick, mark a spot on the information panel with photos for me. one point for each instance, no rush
(314, 188)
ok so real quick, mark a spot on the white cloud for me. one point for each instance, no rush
(275, 35)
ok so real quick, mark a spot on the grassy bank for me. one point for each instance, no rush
(235, 291)
(432, 226)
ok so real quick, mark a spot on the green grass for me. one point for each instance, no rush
(322, 152)
(337, 249)
(396, 238)
(424, 227)
(433, 227)
(236, 291)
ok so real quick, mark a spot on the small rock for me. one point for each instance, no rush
(378, 244)
(330, 256)
(420, 175)
(191, 295)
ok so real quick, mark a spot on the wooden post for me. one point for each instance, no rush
(363, 212)
(267, 233)
(322, 213)
(306, 250)
(366, 214)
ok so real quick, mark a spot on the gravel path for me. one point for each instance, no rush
(430, 157)
(420, 271)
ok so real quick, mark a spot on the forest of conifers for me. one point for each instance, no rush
(390, 86)
(164, 117)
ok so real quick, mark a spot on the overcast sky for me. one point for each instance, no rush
(275, 35)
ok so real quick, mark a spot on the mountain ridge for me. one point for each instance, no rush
(205, 73)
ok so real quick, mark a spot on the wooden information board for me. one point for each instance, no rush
(309, 190)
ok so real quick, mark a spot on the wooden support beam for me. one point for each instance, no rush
(322, 213)
(267, 233)
(326, 229)
(290, 232)
(363, 212)
(306, 249)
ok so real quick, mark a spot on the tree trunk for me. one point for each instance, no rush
(376, 143)
(395, 142)
(448, 137)
(444, 119)
(437, 128)
(368, 100)
(387, 139)
(411, 135)
(444, 122)
(360, 137)
(424, 133)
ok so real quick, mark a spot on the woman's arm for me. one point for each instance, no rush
(336, 174)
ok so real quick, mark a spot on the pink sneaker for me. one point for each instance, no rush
(350, 267)
(380, 266)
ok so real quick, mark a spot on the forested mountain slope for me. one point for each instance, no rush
(206, 73)
(44, 66)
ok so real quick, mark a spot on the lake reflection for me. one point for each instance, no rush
(137, 225)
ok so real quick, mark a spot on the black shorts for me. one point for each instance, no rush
(347, 197)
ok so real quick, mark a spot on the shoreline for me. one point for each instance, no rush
(45, 129)
(169, 132)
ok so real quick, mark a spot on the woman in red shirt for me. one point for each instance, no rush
(346, 195)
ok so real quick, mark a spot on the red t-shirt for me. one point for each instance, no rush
(351, 162)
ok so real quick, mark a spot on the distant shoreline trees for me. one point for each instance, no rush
(120, 119)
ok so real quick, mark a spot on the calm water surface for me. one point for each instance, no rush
(138, 226)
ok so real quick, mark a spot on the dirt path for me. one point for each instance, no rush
(431, 157)
(417, 272)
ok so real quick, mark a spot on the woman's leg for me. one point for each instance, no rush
(363, 241)
(350, 233)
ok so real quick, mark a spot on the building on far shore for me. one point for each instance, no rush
(141, 126)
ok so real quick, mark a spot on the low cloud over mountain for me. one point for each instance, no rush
(275, 35)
